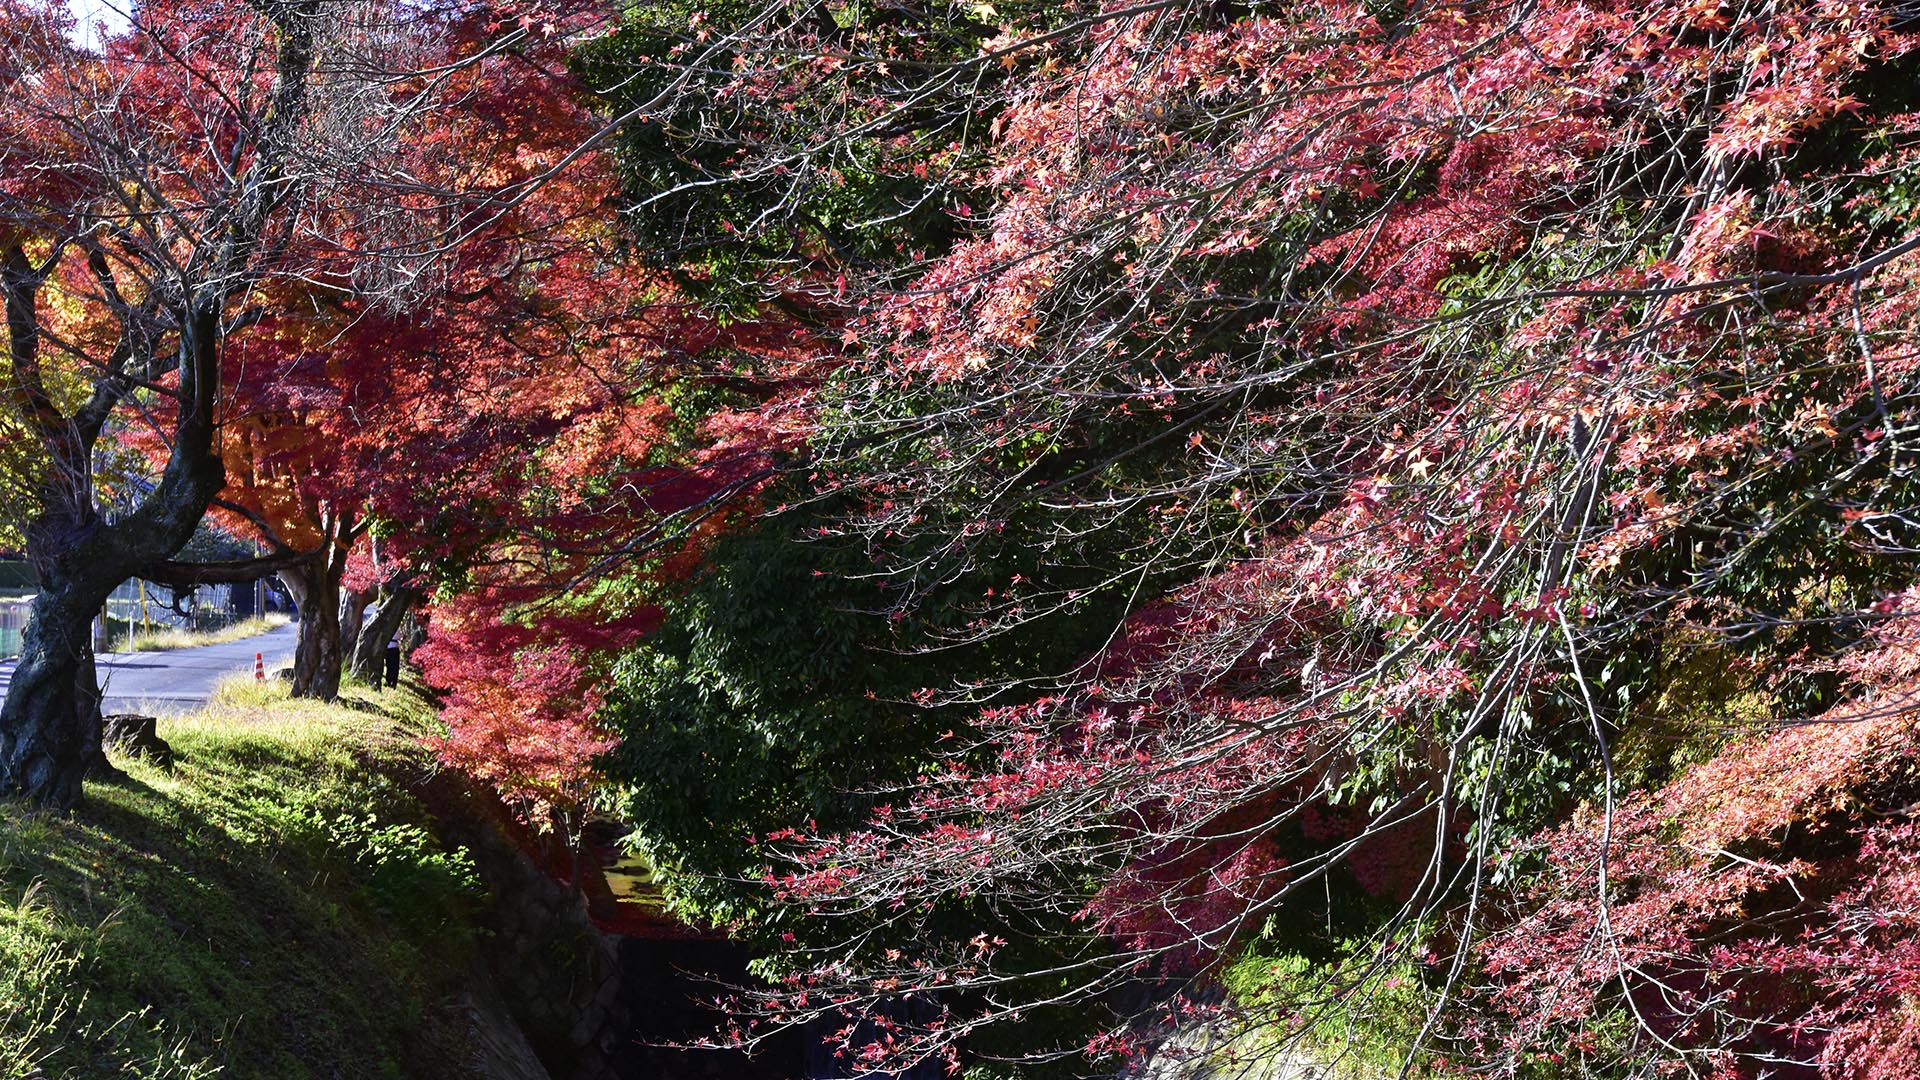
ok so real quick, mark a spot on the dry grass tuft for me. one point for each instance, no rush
(168, 640)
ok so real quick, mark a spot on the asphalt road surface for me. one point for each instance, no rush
(179, 681)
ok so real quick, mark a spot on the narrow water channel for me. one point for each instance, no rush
(670, 976)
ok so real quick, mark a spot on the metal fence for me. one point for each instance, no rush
(132, 610)
(13, 619)
(148, 608)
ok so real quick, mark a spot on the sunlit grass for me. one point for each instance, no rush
(224, 918)
(170, 639)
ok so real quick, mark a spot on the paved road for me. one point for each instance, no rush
(165, 683)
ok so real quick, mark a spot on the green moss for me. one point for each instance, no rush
(275, 907)
(1349, 1016)
(1698, 698)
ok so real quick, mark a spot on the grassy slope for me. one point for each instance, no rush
(271, 908)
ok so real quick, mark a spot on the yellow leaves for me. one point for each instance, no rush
(1813, 417)
(1721, 240)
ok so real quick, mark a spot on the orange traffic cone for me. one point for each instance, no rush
(259, 668)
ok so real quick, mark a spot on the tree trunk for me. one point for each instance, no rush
(315, 584)
(370, 652)
(317, 656)
(50, 724)
(295, 579)
(353, 617)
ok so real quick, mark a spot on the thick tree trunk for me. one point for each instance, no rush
(317, 657)
(370, 652)
(50, 723)
(295, 579)
(321, 651)
(353, 617)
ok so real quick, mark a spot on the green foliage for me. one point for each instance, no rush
(792, 685)
(731, 194)
(1343, 1011)
(759, 706)
(1679, 706)
(407, 875)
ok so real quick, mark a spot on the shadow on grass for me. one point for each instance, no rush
(216, 915)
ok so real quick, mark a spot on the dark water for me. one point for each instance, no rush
(669, 985)
(670, 976)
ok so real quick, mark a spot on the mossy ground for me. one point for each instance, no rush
(274, 906)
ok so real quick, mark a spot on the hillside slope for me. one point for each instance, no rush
(275, 905)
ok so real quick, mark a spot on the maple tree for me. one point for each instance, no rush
(612, 432)
(164, 193)
(521, 441)
(543, 447)
(1758, 908)
(1095, 533)
(367, 398)
(1445, 389)
(582, 490)
(755, 184)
